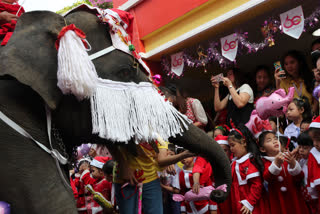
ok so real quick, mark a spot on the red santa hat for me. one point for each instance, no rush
(84, 159)
(124, 18)
(315, 123)
(99, 161)
(222, 140)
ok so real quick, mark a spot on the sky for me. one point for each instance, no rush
(52, 5)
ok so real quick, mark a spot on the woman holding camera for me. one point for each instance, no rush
(296, 74)
(239, 101)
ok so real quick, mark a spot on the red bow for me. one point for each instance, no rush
(79, 33)
(235, 129)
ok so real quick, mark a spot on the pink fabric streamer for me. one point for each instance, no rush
(204, 194)
(140, 199)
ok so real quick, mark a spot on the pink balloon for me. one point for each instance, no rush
(274, 105)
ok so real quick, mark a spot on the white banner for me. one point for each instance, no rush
(229, 46)
(177, 63)
(292, 22)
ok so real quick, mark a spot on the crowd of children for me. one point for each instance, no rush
(276, 171)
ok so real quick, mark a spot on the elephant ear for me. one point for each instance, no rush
(30, 55)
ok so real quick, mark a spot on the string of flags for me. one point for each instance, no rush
(292, 23)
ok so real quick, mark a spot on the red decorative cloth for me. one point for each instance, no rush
(6, 29)
(189, 112)
(72, 27)
(314, 177)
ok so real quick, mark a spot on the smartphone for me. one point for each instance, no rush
(278, 65)
(219, 77)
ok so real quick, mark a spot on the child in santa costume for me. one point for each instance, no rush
(314, 165)
(283, 175)
(223, 142)
(202, 170)
(187, 183)
(6, 27)
(101, 185)
(305, 145)
(202, 176)
(83, 166)
(108, 175)
(246, 169)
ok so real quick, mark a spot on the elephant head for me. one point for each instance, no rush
(31, 58)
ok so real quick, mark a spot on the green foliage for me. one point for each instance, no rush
(103, 6)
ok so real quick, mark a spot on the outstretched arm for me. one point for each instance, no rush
(165, 160)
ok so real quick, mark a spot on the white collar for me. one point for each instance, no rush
(269, 158)
(244, 158)
(316, 154)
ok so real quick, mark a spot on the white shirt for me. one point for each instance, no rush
(199, 112)
(245, 88)
(292, 131)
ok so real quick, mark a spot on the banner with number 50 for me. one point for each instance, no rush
(292, 22)
(229, 46)
(177, 63)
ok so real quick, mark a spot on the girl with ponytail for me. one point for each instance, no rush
(247, 169)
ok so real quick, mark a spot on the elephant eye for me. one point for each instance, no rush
(272, 102)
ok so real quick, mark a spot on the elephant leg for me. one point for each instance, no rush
(30, 182)
(197, 141)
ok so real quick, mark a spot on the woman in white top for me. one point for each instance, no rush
(239, 102)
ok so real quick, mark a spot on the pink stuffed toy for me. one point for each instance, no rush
(204, 194)
(274, 105)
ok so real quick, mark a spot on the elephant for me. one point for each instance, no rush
(28, 74)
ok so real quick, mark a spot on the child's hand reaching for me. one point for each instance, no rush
(290, 158)
(279, 160)
(245, 210)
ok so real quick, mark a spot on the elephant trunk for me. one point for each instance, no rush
(197, 141)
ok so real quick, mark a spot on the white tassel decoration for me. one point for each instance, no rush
(76, 72)
(123, 111)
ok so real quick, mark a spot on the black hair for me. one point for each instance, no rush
(108, 167)
(307, 120)
(172, 147)
(267, 70)
(317, 41)
(179, 150)
(304, 71)
(82, 162)
(282, 121)
(314, 132)
(304, 139)
(252, 145)
(284, 140)
(239, 76)
(303, 102)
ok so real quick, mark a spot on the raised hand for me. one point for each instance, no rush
(214, 82)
